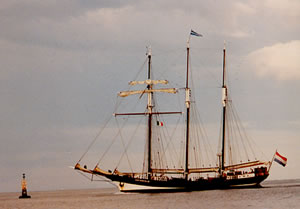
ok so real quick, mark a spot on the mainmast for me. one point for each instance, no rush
(149, 107)
(187, 102)
(224, 102)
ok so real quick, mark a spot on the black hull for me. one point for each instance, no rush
(175, 184)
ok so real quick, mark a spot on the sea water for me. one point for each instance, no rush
(281, 194)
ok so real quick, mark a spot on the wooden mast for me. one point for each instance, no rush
(187, 101)
(224, 102)
(149, 106)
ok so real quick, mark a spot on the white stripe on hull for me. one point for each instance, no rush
(244, 185)
(127, 187)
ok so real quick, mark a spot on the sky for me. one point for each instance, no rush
(63, 62)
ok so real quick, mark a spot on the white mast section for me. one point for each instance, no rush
(224, 87)
(187, 97)
(224, 96)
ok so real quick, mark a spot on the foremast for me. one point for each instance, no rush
(149, 113)
(149, 107)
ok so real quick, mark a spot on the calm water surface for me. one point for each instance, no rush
(274, 194)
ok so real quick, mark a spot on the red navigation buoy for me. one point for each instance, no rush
(24, 189)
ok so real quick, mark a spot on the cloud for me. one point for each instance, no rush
(280, 61)
(284, 14)
(289, 8)
(81, 25)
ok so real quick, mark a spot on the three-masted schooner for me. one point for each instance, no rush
(224, 174)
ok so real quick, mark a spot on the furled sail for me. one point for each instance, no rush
(148, 82)
(128, 93)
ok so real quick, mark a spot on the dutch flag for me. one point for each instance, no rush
(280, 159)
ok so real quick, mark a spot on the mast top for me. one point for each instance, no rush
(149, 51)
(224, 66)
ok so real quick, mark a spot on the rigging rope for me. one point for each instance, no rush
(127, 146)
(243, 130)
(125, 150)
(107, 121)
(169, 141)
(94, 140)
(199, 134)
(108, 148)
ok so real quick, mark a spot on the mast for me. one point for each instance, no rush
(187, 102)
(224, 102)
(149, 107)
(149, 91)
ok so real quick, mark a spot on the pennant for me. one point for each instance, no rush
(193, 33)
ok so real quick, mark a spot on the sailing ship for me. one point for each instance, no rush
(225, 173)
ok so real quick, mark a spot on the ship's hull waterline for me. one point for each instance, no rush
(138, 185)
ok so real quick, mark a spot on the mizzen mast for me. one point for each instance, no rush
(224, 102)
